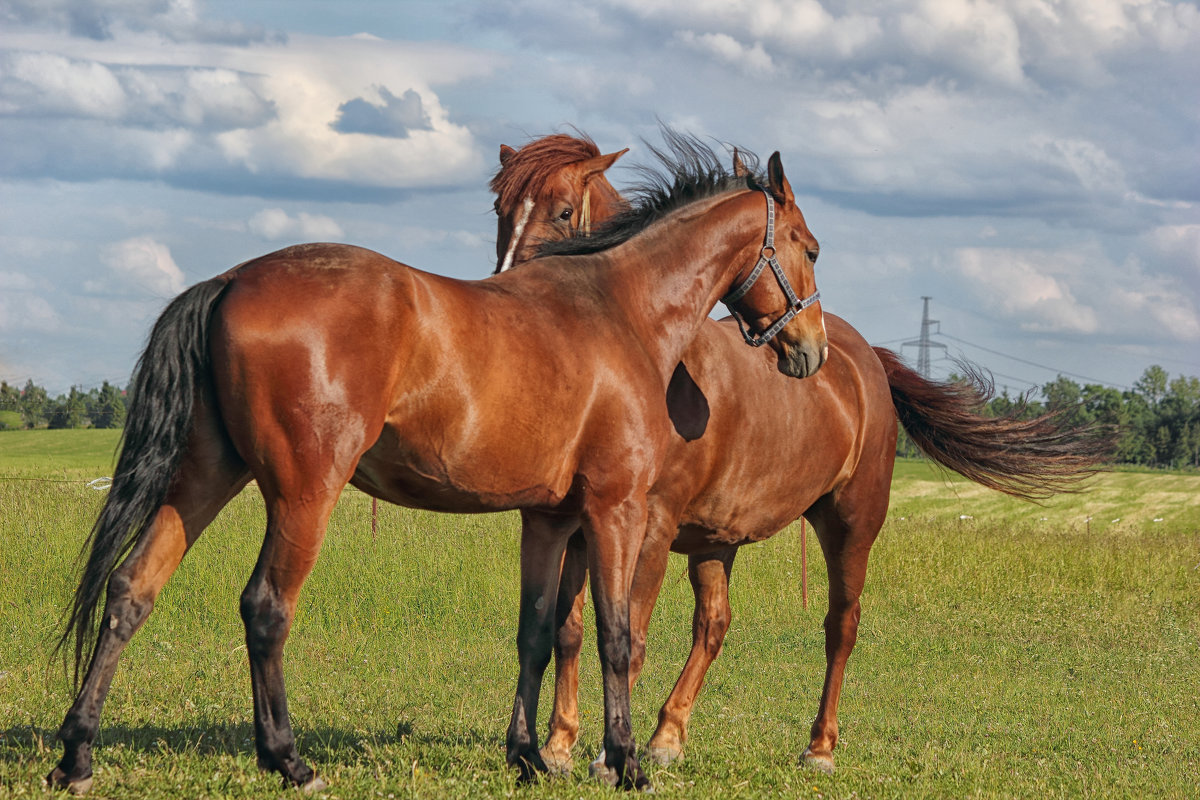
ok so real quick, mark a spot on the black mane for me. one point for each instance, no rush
(690, 171)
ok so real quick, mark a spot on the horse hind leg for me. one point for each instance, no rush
(568, 643)
(296, 523)
(846, 545)
(209, 476)
(709, 576)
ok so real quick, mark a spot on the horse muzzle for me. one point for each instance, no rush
(802, 359)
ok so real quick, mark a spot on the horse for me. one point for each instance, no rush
(739, 482)
(541, 389)
(562, 178)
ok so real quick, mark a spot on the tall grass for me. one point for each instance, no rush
(998, 656)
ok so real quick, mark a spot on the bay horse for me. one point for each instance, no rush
(741, 482)
(541, 389)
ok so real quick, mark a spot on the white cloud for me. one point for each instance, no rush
(1080, 290)
(48, 83)
(411, 237)
(26, 312)
(15, 282)
(275, 224)
(178, 20)
(753, 60)
(977, 37)
(1022, 285)
(1180, 244)
(144, 264)
(1086, 161)
(218, 115)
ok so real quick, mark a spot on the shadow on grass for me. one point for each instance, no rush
(326, 745)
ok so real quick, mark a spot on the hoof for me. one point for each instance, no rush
(316, 785)
(530, 768)
(664, 756)
(600, 771)
(820, 762)
(57, 779)
(557, 763)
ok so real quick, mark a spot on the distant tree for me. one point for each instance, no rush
(10, 403)
(1179, 412)
(106, 407)
(10, 407)
(69, 411)
(34, 405)
(1152, 385)
(1064, 394)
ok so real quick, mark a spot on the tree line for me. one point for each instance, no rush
(1158, 420)
(32, 407)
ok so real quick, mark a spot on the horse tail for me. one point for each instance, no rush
(168, 375)
(1032, 458)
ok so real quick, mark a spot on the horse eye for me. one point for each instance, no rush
(496, 206)
(566, 214)
(812, 255)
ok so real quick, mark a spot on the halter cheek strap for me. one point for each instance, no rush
(768, 258)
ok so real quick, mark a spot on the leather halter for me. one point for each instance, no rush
(767, 257)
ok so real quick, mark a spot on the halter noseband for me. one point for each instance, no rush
(767, 257)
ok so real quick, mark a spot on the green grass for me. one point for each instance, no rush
(46, 452)
(998, 656)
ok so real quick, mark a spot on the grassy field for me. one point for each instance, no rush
(1006, 650)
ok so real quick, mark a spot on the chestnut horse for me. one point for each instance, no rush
(559, 177)
(741, 482)
(541, 389)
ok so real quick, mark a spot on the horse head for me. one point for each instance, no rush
(551, 188)
(784, 312)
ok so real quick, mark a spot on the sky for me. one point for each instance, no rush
(1033, 166)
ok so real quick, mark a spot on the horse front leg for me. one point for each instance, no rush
(709, 576)
(615, 535)
(568, 643)
(543, 542)
(651, 569)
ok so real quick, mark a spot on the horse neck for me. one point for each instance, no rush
(668, 279)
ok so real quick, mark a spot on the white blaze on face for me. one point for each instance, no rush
(518, 230)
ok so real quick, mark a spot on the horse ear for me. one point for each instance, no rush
(506, 153)
(595, 166)
(777, 182)
(739, 168)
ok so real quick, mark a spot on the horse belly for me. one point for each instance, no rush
(423, 471)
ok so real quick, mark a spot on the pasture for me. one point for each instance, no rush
(1005, 650)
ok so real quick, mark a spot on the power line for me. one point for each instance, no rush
(1034, 363)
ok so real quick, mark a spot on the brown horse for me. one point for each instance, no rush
(561, 178)
(741, 482)
(540, 389)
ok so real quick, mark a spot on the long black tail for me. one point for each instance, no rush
(1032, 458)
(168, 375)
